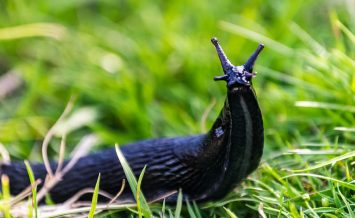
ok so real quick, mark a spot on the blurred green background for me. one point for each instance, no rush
(144, 69)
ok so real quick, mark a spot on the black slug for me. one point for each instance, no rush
(205, 167)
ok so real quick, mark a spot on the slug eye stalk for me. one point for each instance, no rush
(236, 75)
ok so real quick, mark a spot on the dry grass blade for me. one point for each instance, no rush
(70, 202)
(344, 129)
(119, 193)
(325, 105)
(206, 113)
(81, 149)
(261, 211)
(25, 193)
(5, 155)
(61, 154)
(165, 196)
(51, 133)
(72, 212)
(9, 82)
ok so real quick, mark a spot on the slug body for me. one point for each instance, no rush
(205, 167)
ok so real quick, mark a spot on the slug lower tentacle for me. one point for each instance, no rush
(205, 167)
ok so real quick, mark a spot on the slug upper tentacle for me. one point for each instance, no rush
(206, 166)
(236, 75)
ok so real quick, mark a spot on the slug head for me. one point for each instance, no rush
(236, 76)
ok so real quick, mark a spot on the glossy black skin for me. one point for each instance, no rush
(205, 167)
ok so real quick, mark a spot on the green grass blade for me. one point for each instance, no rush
(178, 205)
(34, 188)
(190, 210)
(94, 198)
(163, 209)
(198, 214)
(342, 183)
(242, 31)
(345, 30)
(171, 214)
(29, 208)
(350, 210)
(325, 163)
(138, 194)
(132, 181)
(230, 213)
(5, 202)
(51, 30)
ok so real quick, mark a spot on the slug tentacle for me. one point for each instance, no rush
(248, 66)
(206, 166)
(236, 75)
(226, 64)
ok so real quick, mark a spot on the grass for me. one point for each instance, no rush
(142, 70)
(34, 204)
(142, 205)
(94, 198)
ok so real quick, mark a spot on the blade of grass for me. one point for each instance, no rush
(4, 154)
(242, 31)
(138, 193)
(119, 193)
(329, 162)
(178, 205)
(170, 214)
(198, 214)
(261, 210)
(342, 183)
(51, 30)
(34, 187)
(29, 208)
(72, 211)
(132, 181)
(230, 213)
(350, 210)
(51, 133)
(163, 209)
(94, 198)
(5, 203)
(190, 210)
(325, 105)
